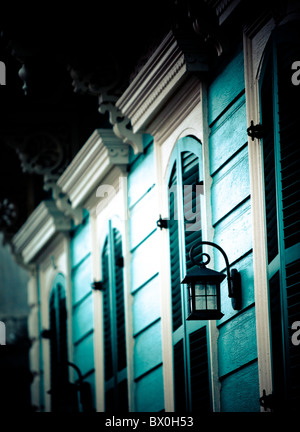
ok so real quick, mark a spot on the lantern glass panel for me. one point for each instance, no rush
(211, 291)
(200, 289)
(200, 297)
(206, 297)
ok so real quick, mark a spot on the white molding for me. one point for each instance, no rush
(178, 108)
(258, 222)
(159, 79)
(102, 151)
(38, 230)
(165, 285)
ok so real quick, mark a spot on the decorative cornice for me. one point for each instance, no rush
(38, 230)
(178, 108)
(166, 69)
(102, 151)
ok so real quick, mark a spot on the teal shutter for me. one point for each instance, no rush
(58, 349)
(199, 371)
(120, 311)
(116, 393)
(269, 164)
(191, 373)
(174, 252)
(106, 313)
(281, 155)
(191, 202)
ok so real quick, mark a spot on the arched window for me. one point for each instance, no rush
(116, 398)
(58, 346)
(185, 191)
(280, 114)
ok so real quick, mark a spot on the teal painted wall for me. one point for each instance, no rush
(231, 219)
(82, 303)
(147, 357)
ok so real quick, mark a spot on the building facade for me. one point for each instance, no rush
(211, 156)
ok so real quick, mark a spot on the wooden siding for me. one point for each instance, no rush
(147, 356)
(82, 304)
(231, 219)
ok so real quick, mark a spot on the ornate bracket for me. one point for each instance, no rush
(43, 153)
(63, 202)
(8, 213)
(87, 84)
(121, 124)
(233, 276)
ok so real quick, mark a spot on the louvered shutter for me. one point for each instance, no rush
(293, 305)
(289, 115)
(58, 349)
(191, 206)
(191, 372)
(269, 163)
(199, 371)
(53, 346)
(276, 330)
(282, 198)
(106, 313)
(116, 398)
(119, 296)
(62, 332)
(174, 251)
(179, 377)
(122, 396)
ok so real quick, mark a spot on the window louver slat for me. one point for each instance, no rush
(199, 371)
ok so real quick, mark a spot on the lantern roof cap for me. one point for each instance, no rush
(205, 274)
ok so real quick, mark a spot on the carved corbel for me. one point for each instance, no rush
(62, 201)
(43, 153)
(121, 124)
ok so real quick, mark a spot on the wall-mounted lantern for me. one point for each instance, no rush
(204, 288)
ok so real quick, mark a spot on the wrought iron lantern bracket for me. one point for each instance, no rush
(233, 276)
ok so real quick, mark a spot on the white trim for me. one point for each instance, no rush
(100, 153)
(39, 229)
(171, 116)
(258, 221)
(159, 79)
(98, 317)
(164, 282)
